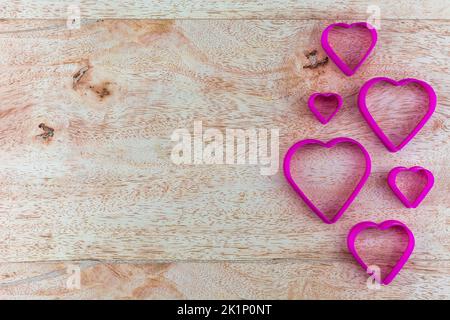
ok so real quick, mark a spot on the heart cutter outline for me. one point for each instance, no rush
(356, 229)
(315, 111)
(392, 184)
(287, 173)
(332, 54)
(362, 105)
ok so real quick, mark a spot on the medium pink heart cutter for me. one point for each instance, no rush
(316, 112)
(332, 54)
(410, 204)
(382, 226)
(287, 173)
(373, 124)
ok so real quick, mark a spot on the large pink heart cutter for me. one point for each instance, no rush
(332, 54)
(373, 124)
(382, 226)
(393, 185)
(316, 112)
(287, 173)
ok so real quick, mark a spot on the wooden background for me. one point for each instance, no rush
(94, 186)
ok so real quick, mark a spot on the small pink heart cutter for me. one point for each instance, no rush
(393, 185)
(355, 230)
(373, 124)
(332, 54)
(287, 173)
(316, 112)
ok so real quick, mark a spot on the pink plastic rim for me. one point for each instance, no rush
(316, 112)
(332, 54)
(392, 176)
(287, 173)
(356, 229)
(373, 124)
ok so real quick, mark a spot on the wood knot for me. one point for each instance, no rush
(78, 75)
(48, 132)
(314, 62)
(101, 90)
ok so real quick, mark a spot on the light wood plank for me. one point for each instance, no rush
(215, 9)
(104, 187)
(69, 197)
(264, 280)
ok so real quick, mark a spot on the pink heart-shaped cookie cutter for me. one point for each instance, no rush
(373, 124)
(355, 230)
(287, 173)
(332, 54)
(393, 185)
(316, 112)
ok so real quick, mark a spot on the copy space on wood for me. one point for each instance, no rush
(96, 180)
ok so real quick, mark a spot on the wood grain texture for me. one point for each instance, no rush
(312, 279)
(104, 187)
(216, 9)
(92, 182)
